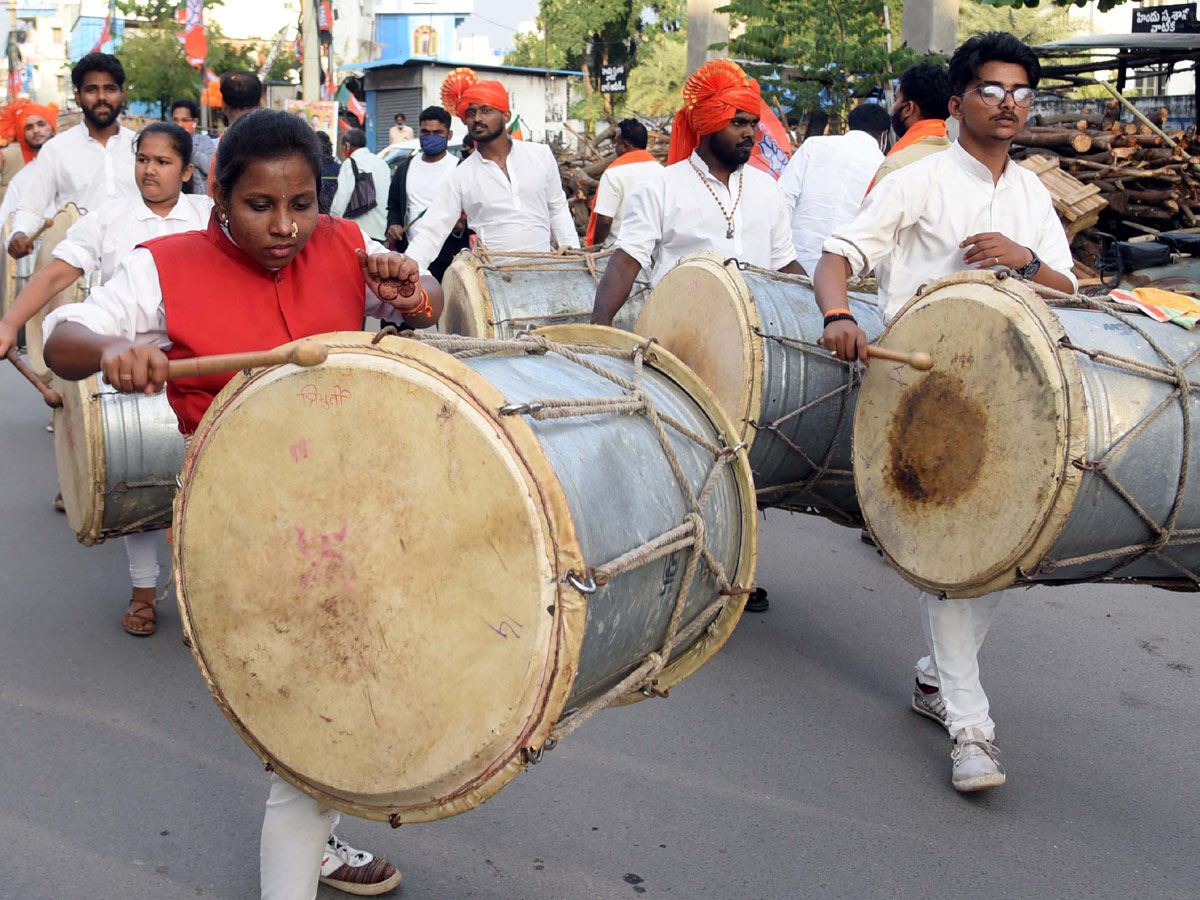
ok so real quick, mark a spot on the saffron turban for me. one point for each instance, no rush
(15, 115)
(462, 88)
(711, 98)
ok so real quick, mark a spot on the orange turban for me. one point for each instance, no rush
(14, 116)
(462, 87)
(711, 97)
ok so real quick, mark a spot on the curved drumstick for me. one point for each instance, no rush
(304, 353)
(53, 398)
(45, 227)
(921, 361)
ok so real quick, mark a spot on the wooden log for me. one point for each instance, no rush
(1069, 118)
(1078, 141)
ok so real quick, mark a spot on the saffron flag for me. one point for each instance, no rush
(772, 149)
(355, 106)
(106, 33)
(193, 36)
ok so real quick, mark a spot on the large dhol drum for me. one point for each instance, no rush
(404, 574)
(63, 220)
(118, 458)
(750, 335)
(490, 294)
(1048, 444)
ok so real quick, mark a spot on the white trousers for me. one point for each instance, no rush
(295, 829)
(954, 632)
(142, 550)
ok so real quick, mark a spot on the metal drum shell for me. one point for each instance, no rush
(725, 322)
(573, 615)
(118, 458)
(500, 298)
(1070, 510)
(74, 293)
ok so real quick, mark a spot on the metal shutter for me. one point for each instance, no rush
(388, 102)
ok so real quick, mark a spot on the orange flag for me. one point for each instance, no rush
(772, 149)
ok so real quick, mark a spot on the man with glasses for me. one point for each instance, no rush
(968, 207)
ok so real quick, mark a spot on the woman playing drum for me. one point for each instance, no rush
(269, 269)
(95, 244)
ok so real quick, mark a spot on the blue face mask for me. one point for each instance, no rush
(433, 144)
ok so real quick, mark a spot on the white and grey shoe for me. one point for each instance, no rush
(973, 763)
(929, 704)
(356, 871)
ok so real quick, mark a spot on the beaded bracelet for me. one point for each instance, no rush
(839, 317)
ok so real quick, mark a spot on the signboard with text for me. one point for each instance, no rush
(613, 79)
(1179, 17)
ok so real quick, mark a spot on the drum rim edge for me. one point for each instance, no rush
(667, 363)
(478, 299)
(565, 555)
(1058, 507)
(96, 472)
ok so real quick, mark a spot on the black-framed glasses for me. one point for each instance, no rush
(994, 94)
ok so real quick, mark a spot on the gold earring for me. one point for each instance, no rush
(295, 230)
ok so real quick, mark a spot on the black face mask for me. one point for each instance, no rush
(897, 125)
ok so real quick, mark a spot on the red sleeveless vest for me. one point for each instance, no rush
(219, 300)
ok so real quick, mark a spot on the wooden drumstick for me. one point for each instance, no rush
(45, 227)
(53, 398)
(305, 353)
(921, 361)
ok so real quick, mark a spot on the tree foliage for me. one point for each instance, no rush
(1103, 5)
(1033, 26)
(161, 12)
(810, 53)
(156, 69)
(656, 81)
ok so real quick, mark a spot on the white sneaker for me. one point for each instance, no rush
(973, 763)
(930, 705)
(356, 871)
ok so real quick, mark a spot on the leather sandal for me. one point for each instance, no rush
(140, 620)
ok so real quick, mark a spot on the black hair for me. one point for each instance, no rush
(633, 133)
(98, 62)
(400, 115)
(435, 114)
(326, 145)
(927, 85)
(191, 106)
(265, 134)
(241, 90)
(180, 140)
(355, 137)
(991, 46)
(869, 117)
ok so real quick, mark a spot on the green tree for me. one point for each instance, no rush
(1033, 26)
(809, 53)
(161, 12)
(1104, 5)
(657, 79)
(157, 71)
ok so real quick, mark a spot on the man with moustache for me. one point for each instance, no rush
(967, 207)
(707, 198)
(33, 126)
(84, 165)
(510, 190)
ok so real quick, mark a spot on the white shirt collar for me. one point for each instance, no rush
(145, 213)
(699, 163)
(974, 167)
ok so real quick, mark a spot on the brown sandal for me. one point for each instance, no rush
(140, 619)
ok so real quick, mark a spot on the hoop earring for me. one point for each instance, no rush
(295, 230)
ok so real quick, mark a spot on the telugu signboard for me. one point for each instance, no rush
(1165, 19)
(613, 79)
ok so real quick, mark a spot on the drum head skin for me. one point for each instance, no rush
(79, 456)
(73, 293)
(704, 314)
(963, 472)
(466, 305)
(386, 621)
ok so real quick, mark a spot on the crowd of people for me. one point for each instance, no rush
(254, 261)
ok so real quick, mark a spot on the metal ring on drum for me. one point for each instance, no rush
(63, 220)
(409, 571)
(751, 335)
(118, 458)
(497, 295)
(1049, 444)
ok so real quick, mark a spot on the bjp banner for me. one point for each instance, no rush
(772, 149)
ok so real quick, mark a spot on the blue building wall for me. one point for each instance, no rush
(87, 31)
(397, 33)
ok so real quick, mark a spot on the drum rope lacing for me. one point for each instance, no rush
(689, 535)
(1162, 536)
(564, 259)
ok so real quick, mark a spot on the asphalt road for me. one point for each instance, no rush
(790, 767)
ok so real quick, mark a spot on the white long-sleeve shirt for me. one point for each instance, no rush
(911, 224)
(16, 187)
(102, 238)
(130, 305)
(672, 214)
(374, 221)
(514, 213)
(74, 167)
(823, 186)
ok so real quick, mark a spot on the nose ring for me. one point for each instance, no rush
(295, 230)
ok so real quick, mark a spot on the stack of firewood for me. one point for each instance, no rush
(1147, 174)
(582, 167)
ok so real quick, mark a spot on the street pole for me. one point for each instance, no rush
(310, 82)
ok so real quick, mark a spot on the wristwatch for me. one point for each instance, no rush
(1030, 268)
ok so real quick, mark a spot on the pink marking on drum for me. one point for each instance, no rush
(299, 450)
(327, 571)
(312, 396)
